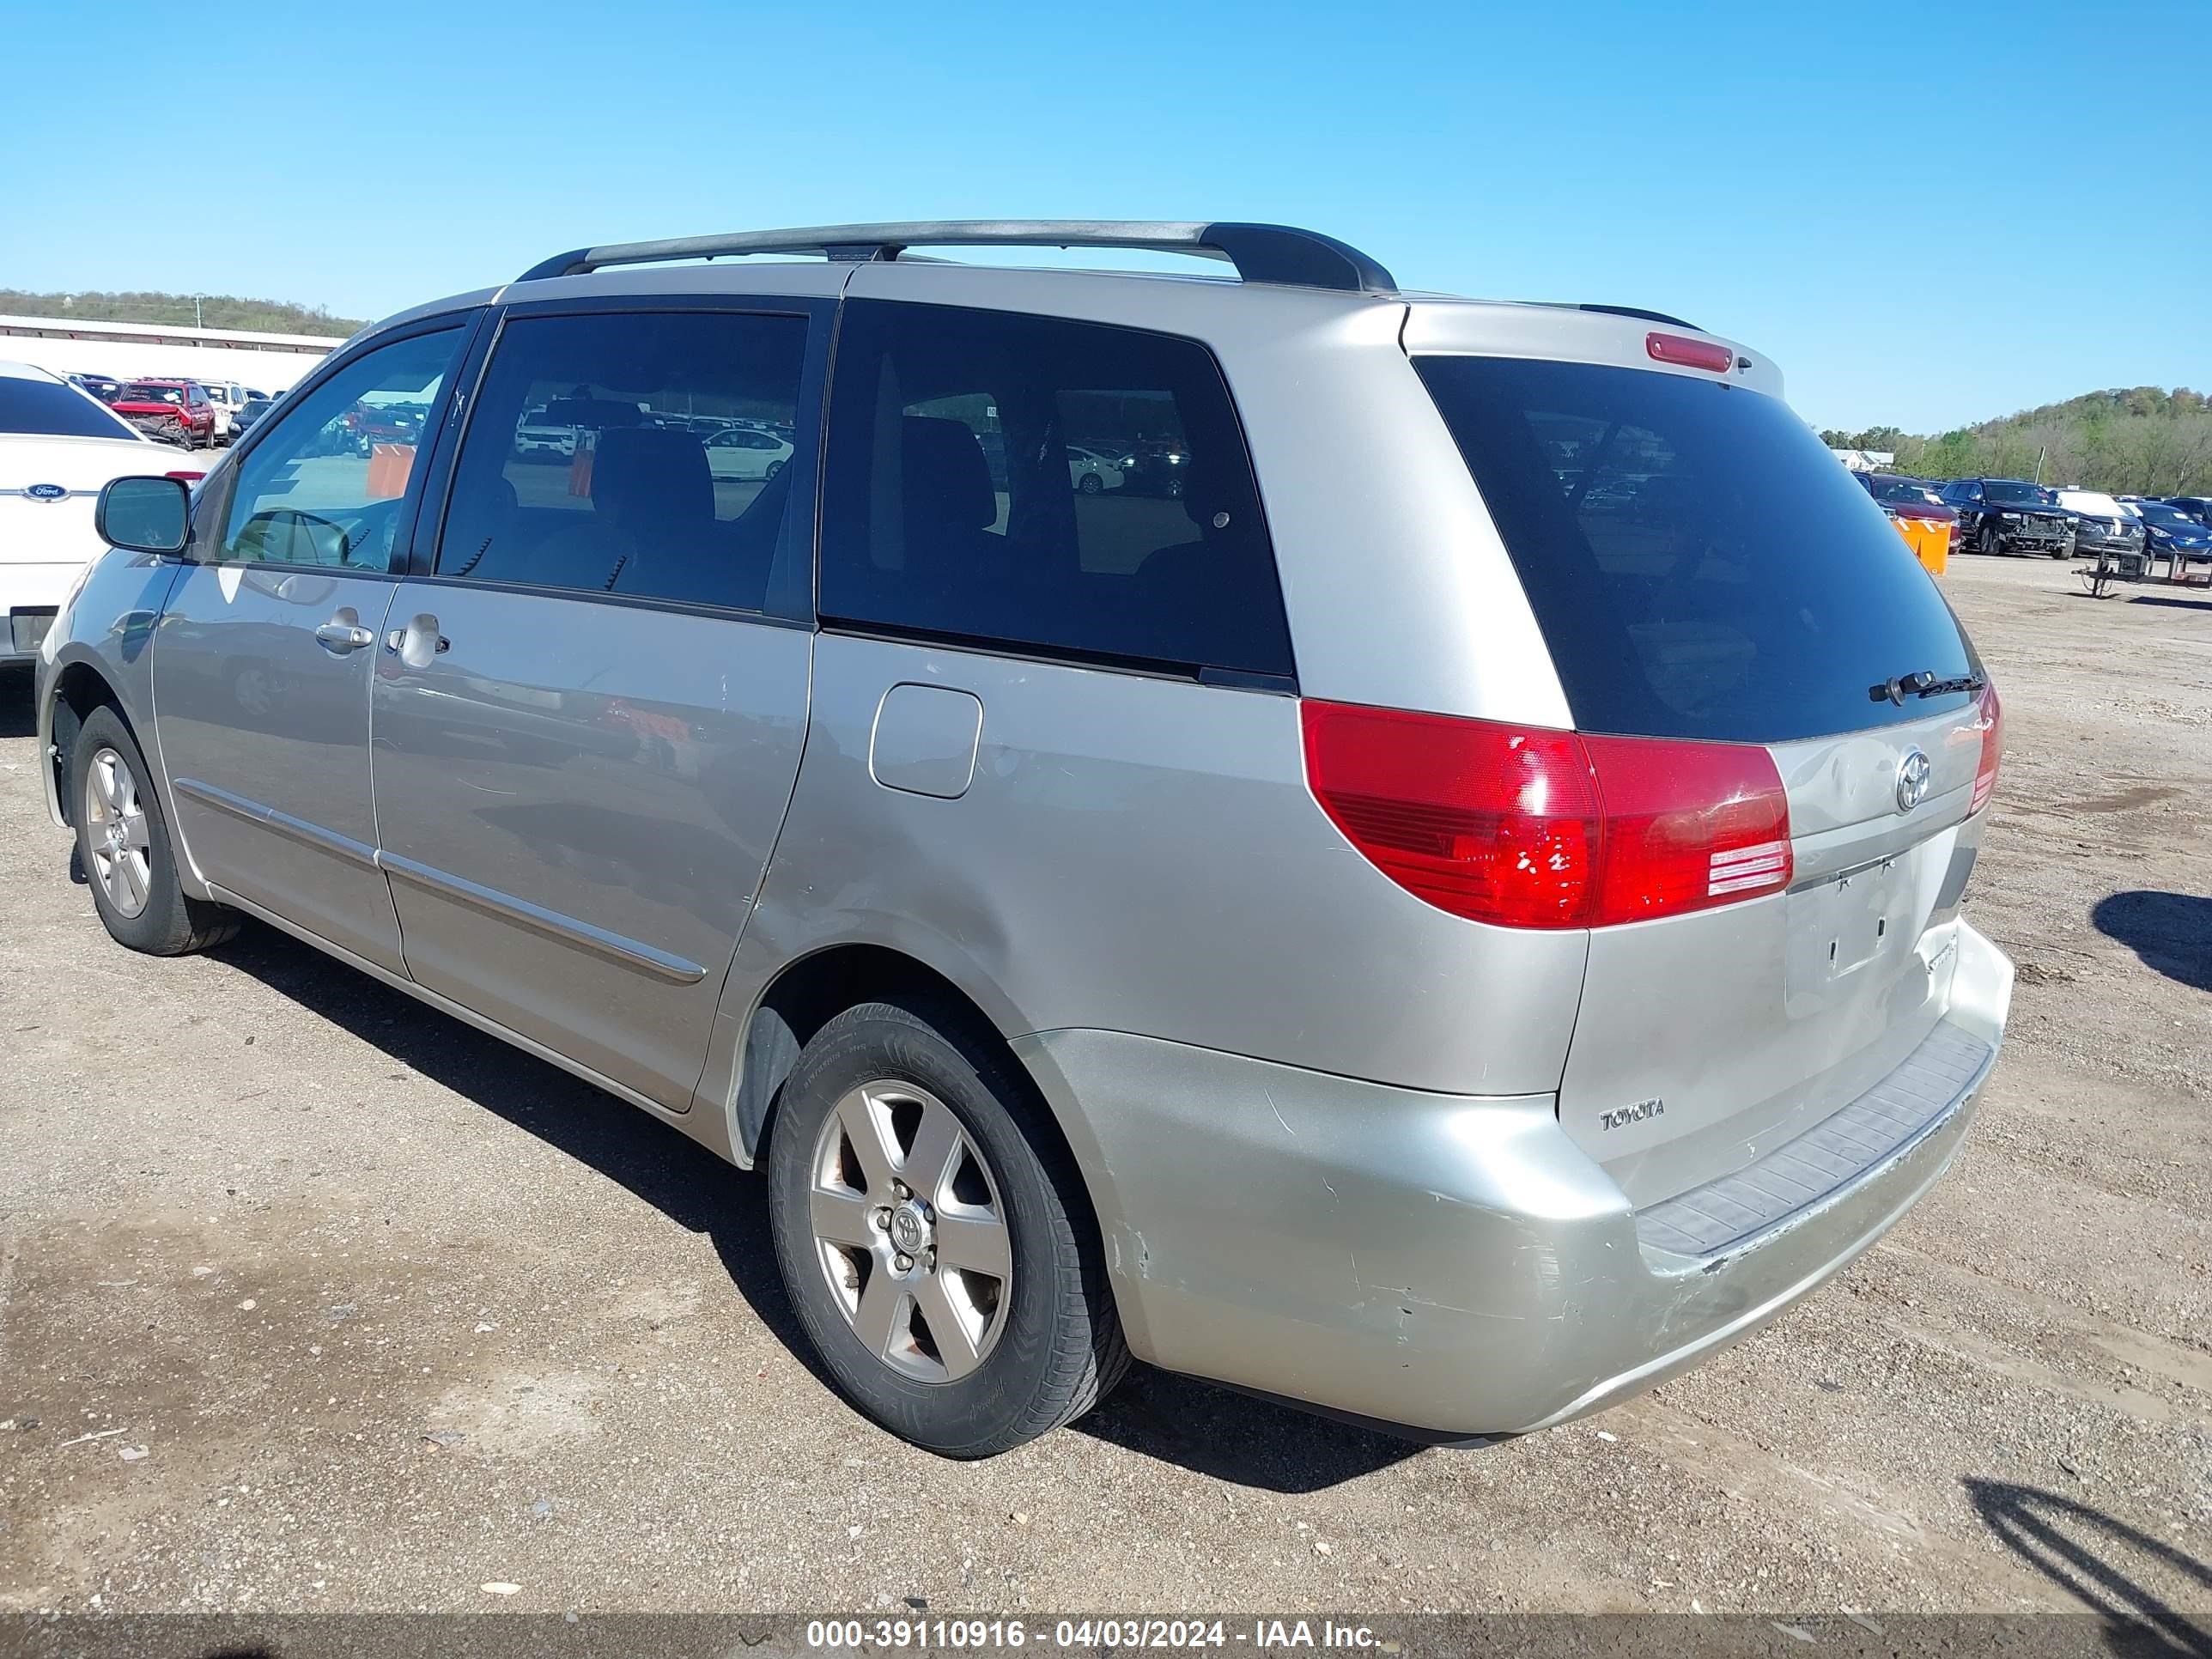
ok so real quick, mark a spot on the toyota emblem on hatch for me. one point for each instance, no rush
(1912, 781)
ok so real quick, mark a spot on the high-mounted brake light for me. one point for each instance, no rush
(184, 476)
(1689, 353)
(1540, 828)
(1992, 723)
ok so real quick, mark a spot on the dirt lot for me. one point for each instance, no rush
(311, 1299)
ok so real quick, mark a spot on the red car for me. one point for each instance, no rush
(177, 410)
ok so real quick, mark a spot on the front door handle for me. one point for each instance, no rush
(343, 632)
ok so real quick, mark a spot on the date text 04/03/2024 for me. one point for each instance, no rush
(1261, 1634)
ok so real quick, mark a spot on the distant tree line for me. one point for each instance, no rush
(2141, 442)
(205, 311)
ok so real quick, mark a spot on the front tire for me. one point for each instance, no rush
(935, 1242)
(122, 844)
(1988, 543)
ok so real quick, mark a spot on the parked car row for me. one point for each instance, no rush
(197, 414)
(738, 448)
(1999, 516)
(2179, 527)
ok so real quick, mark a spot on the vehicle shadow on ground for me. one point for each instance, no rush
(2177, 603)
(17, 719)
(1211, 1430)
(2090, 1556)
(1227, 1436)
(2169, 932)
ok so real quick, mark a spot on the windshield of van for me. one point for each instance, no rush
(1699, 563)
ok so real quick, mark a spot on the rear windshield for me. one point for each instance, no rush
(152, 394)
(1700, 565)
(51, 410)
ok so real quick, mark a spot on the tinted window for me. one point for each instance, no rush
(45, 408)
(611, 497)
(2027, 494)
(1700, 566)
(152, 394)
(955, 505)
(323, 483)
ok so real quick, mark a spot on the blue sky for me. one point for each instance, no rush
(1927, 214)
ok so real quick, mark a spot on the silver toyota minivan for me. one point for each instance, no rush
(1428, 887)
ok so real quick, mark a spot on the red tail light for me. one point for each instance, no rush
(1484, 821)
(1538, 829)
(186, 476)
(1985, 775)
(1689, 353)
(1688, 826)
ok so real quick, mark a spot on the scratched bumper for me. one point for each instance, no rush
(1452, 1265)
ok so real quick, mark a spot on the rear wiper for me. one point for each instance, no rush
(1922, 684)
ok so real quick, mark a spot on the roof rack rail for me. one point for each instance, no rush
(1261, 254)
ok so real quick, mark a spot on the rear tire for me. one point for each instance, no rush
(122, 844)
(896, 1128)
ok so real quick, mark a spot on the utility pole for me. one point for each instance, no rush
(196, 317)
(2041, 450)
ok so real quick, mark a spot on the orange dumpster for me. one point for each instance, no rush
(388, 467)
(1929, 538)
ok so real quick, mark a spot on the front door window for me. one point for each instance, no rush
(323, 486)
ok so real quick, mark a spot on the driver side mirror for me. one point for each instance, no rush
(145, 515)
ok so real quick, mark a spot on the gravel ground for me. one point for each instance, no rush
(313, 1299)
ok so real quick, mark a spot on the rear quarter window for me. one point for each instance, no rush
(959, 502)
(1699, 564)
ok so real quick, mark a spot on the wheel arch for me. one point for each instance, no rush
(80, 686)
(809, 991)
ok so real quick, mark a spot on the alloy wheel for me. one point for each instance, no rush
(116, 834)
(909, 1230)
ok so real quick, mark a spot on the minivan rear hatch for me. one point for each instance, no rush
(1704, 570)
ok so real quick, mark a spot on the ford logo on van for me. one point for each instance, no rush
(46, 492)
(1912, 781)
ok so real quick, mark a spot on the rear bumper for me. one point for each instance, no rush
(1454, 1265)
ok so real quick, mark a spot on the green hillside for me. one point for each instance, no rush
(211, 311)
(2139, 442)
